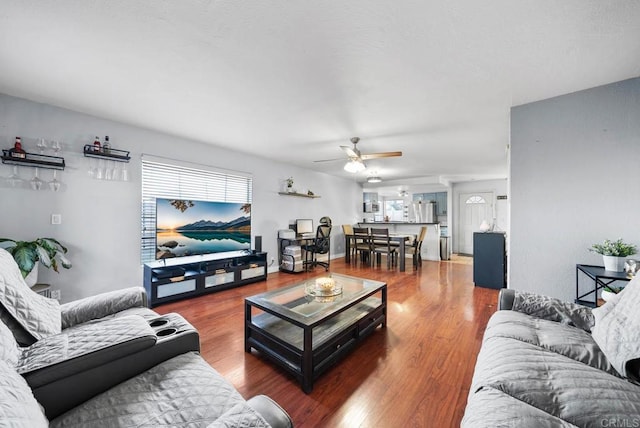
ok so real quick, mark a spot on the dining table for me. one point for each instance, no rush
(399, 238)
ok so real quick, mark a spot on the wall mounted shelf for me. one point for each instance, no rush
(33, 160)
(111, 154)
(301, 195)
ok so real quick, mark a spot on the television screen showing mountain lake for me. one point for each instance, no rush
(192, 243)
(190, 227)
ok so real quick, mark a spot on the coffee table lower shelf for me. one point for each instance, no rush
(308, 351)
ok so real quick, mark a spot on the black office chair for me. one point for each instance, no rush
(321, 245)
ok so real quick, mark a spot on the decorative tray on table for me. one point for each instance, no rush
(323, 287)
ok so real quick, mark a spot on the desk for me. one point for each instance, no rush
(395, 237)
(601, 278)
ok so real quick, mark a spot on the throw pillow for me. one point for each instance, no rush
(617, 330)
(30, 315)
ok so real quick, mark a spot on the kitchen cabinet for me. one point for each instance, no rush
(370, 202)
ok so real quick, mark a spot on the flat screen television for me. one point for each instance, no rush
(304, 226)
(190, 227)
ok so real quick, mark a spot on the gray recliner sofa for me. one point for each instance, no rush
(548, 363)
(109, 361)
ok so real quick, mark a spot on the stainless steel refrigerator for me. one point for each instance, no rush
(423, 212)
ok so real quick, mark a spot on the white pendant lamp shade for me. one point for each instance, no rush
(354, 166)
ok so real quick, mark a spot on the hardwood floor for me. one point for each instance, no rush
(414, 373)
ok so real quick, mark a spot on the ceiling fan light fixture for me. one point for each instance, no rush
(374, 179)
(354, 166)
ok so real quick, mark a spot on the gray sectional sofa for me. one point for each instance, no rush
(548, 363)
(109, 361)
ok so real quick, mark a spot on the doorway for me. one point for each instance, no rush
(474, 209)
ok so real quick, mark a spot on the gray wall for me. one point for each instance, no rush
(574, 181)
(101, 220)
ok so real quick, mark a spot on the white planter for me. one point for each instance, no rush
(613, 263)
(606, 295)
(32, 277)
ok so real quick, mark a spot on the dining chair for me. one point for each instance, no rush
(361, 243)
(381, 244)
(347, 229)
(416, 247)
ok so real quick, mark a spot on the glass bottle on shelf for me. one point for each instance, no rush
(97, 147)
(106, 147)
(17, 151)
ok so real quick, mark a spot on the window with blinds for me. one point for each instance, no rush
(163, 179)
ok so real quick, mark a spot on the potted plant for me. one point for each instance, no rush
(614, 253)
(290, 185)
(47, 251)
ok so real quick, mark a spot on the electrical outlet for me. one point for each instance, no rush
(56, 294)
(56, 218)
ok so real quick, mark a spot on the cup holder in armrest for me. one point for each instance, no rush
(167, 332)
(158, 322)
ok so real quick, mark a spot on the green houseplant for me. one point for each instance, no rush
(614, 253)
(47, 251)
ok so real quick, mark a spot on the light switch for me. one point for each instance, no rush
(56, 218)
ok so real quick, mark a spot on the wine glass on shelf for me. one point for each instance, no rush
(56, 147)
(14, 179)
(116, 171)
(36, 183)
(42, 145)
(54, 184)
(100, 170)
(92, 167)
(108, 171)
(125, 172)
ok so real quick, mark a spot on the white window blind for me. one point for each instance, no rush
(163, 179)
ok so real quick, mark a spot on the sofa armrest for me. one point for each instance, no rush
(61, 387)
(506, 298)
(271, 411)
(84, 347)
(545, 307)
(102, 305)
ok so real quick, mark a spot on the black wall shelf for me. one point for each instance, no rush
(32, 160)
(109, 154)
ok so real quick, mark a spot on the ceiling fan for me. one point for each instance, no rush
(356, 159)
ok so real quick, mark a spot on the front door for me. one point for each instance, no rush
(474, 209)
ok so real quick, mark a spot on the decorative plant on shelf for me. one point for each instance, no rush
(614, 248)
(47, 251)
(289, 184)
(614, 253)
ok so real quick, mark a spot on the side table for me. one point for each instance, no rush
(601, 278)
(42, 289)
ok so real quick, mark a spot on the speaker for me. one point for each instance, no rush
(258, 245)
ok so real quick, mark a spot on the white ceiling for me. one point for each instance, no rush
(293, 80)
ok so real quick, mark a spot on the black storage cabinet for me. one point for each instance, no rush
(489, 260)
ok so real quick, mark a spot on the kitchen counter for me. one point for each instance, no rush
(364, 224)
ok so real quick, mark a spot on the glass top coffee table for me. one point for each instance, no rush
(306, 327)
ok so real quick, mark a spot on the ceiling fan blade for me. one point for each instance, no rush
(350, 151)
(381, 155)
(329, 160)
